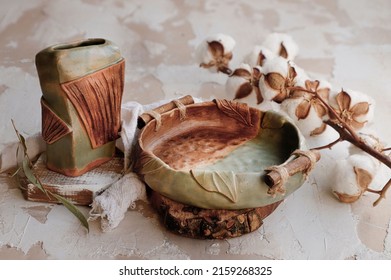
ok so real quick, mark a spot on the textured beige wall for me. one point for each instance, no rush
(345, 42)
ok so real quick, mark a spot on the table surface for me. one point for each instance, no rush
(347, 43)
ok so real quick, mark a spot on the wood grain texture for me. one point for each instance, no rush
(201, 223)
(97, 99)
(53, 127)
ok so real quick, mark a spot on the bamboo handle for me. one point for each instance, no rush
(299, 164)
(145, 118)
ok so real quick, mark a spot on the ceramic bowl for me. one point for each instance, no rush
(213, 154)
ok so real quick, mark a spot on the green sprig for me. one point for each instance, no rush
(33, 179)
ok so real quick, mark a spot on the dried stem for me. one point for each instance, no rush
(381, 193)
(328, 146)
(344, 135)
(386, 149)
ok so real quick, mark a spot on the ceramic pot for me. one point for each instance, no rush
(82, 84)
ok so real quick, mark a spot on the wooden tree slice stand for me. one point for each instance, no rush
(194, 222)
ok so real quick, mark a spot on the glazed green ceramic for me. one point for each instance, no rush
(215, 158)
(82, 85)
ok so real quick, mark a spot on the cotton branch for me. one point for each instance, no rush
(330, 145)
(381, 193)
(347, 133)
(357, 141)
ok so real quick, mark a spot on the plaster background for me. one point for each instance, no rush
(346, 42)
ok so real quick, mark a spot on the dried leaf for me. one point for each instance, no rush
(30, 175)
(228, 57)
(283, 52)
(280, 97)
(240, 72)
(261, 58)
(208, 65)
(319, 130)
(363, 177)
(292, 73)
(346, 198)
(222, 182)
(343, 101)
(324, 93)
(22, 140)
(360, 108)
(258, 94)
(303, 109)
(28, 172)
(73, 209)
(257, 74)
(356, 124)
(275, 80)
(236, 110)
(243, 91)
(311, 85)
(298, 93)
(320, 109)
(15, 172)
(216, 48)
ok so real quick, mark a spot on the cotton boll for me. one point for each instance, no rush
(344, 184)
(354, 107)
(243, 82)
(276, 64)
(246, 67)
(204, 55)
(365, 161)
(282, 45)
(258, 56)
(227, 41)
(215, 52)
(277, 76)
(371, 164)
(308, 125)
(352, 177)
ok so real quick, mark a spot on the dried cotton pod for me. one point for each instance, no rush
(243, 82)
(353, 107)
(305, 109)
(215, 53)
(277, 80)
(352, 177)
(282, 45)
(258, 56)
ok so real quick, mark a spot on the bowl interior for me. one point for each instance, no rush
(208, 139)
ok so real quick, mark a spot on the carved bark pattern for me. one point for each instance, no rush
(236, 110)
(53, 127)
(97, 99)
